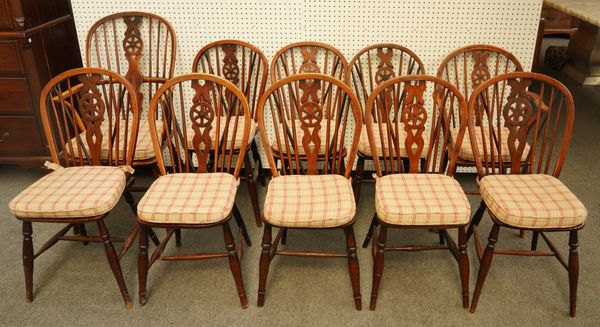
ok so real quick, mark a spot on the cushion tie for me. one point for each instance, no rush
(52, 165)
(127, 169)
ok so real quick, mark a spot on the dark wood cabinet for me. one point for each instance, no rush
(38, 41)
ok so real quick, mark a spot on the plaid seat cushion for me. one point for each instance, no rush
(311, 201)
(365, 148)
(466, 150)
(532, 201)
(189, 198)
(421, 199)
(237, 138)
(75, 192)
(144, 149)
(300, 133)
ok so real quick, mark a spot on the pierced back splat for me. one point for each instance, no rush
(310, 114)
(414, 116)
(133, 45)
(202, 115)
(92, 109)
(517, 113)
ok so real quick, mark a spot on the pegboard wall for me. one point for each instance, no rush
(431, 28)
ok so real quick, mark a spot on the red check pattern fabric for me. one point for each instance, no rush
(532, 201)
(365, 148)
(310, 201)
(75, 192)
(421, 200)
(466, 150)
(237, 138)
(189, 198)
(144, 149)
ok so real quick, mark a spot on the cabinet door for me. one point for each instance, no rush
(5, 16)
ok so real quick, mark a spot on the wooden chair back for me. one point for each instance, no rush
(469, 66)
(307, 57)
(90, 117)
(140, 46)
(204, 117)
(412, 114)
(378, 63)
(528, 115)
(239, 62)
(313, 115)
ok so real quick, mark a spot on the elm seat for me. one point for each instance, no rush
(75, 192)
(532, 201)
(144, 149)
(365, 148)
(309, 201)
(466, 151)
(421, 199)
(189, 198)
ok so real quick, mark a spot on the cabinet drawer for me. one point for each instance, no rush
(14, 97)
(20, 136)
(10, 59)
(4, 16)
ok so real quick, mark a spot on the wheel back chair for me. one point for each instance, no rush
(141, 47)
(311, 164)
(421, 193)
(307, 57)
(467, 68)
(246, 67)
(90, 118)
(207, 124)
(524, 193)
(369, 68)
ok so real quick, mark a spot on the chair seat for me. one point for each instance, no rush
(75, 192)
(532, 201)
(421, 199)
(239, 132)
(466, 151)
(144, 149)
(309, 201)
(189, 198)
(365, 148)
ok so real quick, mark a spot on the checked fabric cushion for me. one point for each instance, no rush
(421, 199)
(75, 192)
(311, 201)
(189, 198)
(532, 201)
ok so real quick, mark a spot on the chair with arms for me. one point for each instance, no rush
(90, 119)
(246, 67)
(311, 166)
(422, 194)
(369, 68)
(206, 119)
(525, 193)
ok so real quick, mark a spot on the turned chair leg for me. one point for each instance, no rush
(28, 260)
(241, 224)
(378, 265)
(534, 240)
(484, 267)
(261, 172)
(357, 180)
(178, 237)
(83, 232)
(370, 232)
(252, 191)
(143, 264)
(234, 264)
(463, 264)
(353, 267)
(284, 233)
(476, 219)
(573, 271)
(113, 260)
(265, 261)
